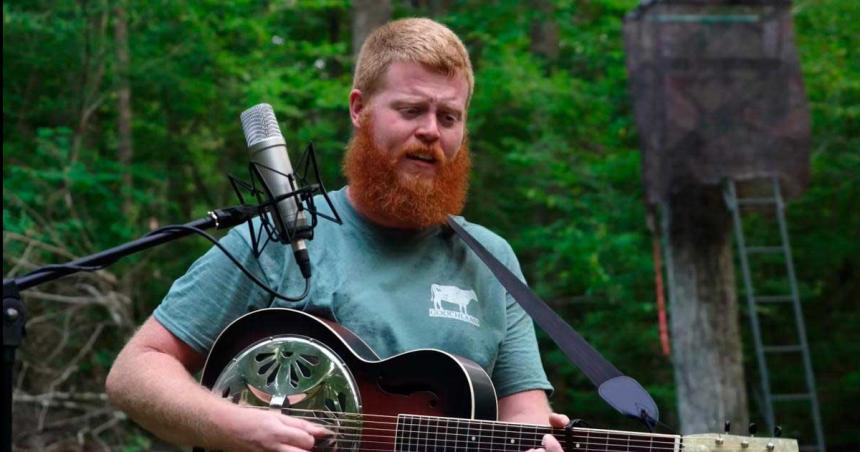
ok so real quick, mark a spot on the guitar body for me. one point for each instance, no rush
(286, 359)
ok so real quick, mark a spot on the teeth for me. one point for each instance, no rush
(423, 157)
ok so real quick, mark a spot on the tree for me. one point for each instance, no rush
(367, 15)
(706, 340)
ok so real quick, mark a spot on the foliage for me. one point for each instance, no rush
(556, 172)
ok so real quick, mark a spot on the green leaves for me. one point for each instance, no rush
(556, 161)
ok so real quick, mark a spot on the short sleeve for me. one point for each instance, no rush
(213, 293)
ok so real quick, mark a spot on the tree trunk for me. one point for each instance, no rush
(544, 31)
(706, 342)
(367, 15)
(125, 150)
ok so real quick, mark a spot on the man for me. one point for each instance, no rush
(377, 274)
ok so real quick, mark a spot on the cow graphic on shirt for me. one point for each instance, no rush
(452, 302)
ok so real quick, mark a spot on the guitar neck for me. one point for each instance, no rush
(422, 432)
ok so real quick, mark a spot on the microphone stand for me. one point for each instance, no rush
(15, 313)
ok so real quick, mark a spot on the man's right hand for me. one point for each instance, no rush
(263, 430)
(151, 380)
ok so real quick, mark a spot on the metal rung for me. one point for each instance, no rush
(774, 204)
(763, 249)
(755, 201)
(790, 397)
(781, 348)
(774, 299)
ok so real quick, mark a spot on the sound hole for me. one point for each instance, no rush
(265, 368)
(260, 357)
(303, 369)
(294, 379)
(274, 375)
(311, 359)
(330, 404)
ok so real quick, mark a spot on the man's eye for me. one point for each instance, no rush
(410, 111)
(448, 119)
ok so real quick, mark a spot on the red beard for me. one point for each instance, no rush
(407, 201)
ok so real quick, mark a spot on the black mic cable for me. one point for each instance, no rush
(236, 262)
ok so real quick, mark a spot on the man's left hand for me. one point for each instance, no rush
(549, 442)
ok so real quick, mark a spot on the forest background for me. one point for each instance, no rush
(121, 116)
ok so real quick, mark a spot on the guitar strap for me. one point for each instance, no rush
(618, 390)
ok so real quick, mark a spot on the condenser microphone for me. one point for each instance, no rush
(269, 155)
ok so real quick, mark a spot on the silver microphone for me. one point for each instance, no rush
(269, 153)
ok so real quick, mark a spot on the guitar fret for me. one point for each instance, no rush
(503, 438)
(421, 429)
(404, 426)
(534, 439)
(526, 437)
(517, 441)
(415, 433)
(405, 432)
(429, 441)
(398, 442)
(613, 442)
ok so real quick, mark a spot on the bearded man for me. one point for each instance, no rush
(407, 166)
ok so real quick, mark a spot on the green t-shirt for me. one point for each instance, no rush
(396, 290)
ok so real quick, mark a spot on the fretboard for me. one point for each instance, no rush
(421, 433)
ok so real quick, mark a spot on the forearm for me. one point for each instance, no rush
(528, 407)
(157, 392)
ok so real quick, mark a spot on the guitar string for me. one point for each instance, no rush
(447, 438)
(423, 446)
(494, 425)
(403, 446)
(407, 446)
(581, 438)
(409, 441)
(494, 432)
(585, 446)
(522, 442)
(363, 417)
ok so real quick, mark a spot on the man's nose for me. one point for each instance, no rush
(428, 129)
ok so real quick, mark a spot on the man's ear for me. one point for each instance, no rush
(356, 106)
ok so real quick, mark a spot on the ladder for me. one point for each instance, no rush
(760, 302)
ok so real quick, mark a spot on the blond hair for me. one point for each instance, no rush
(414, 40)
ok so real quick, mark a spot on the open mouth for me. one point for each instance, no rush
(425, 157)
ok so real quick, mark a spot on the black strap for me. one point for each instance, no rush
(618, 390)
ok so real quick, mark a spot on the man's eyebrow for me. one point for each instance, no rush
(408, 102)
(449, 107)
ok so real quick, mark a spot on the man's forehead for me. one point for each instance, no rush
(413, 81)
